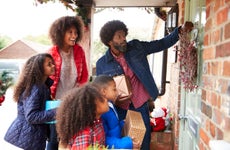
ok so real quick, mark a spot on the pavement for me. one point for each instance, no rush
(8, 112)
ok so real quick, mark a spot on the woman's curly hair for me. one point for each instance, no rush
(108, 30)
(60, 26)
(32, 74)
(77, 111)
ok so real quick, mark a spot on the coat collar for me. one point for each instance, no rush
(108, 56)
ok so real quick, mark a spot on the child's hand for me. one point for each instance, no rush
(136, 143)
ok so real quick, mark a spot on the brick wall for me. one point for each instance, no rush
(174, 96)
(161, 141)
(215, 107)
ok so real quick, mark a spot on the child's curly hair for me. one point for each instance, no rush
(77, 111)
(108, 30)
(32, 74)
(60, 26)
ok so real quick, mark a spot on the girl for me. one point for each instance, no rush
(69, 57)
(79, 122)
(29, 131)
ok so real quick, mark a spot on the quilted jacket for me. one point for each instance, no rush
(29, 131)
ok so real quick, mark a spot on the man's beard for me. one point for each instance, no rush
(121, 48)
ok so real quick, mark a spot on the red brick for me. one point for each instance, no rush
(208, 2)
(203, 95)
(207, 83)
(208, 25)
(223, 50)
(161, 141)
(215, 68)
(207, 125)
(201, 146)
(153, 136)
(218, 105)
(164, 137)
(213, 99)
(206, 39)
(226, 68)
(216, 36)
(222, 16)
(161, 147)
(209, 97)
(212, 130)
(209, 53)
(219, 134)
(226, 31)
(204, 137)
(217, 116)
(223, 85)
(227, 124)
(207, 11)
(218, 4)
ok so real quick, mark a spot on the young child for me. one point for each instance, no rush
(112, 125)
(29, 131)
(79, 124)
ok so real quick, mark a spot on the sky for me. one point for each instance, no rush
(20, 18)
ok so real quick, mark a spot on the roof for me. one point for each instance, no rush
(124, 3)
(132, 3)
(22, 49)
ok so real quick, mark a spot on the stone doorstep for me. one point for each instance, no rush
(161, 141)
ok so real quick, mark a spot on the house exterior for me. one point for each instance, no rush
(14, 55)
(21, 49)
(202, 116)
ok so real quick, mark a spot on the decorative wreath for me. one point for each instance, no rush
(188, 62)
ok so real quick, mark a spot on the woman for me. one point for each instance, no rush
(71, 68)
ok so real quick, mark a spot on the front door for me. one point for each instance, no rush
(191, 101)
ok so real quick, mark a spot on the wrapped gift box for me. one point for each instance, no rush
(134, 125)
(123, 86)
(51, 104)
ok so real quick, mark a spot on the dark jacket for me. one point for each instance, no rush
(136, 58)
(29, 131)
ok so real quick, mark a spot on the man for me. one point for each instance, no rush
(130, 58)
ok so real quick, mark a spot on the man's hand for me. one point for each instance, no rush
(187, 27)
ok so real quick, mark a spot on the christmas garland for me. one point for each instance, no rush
(75, 6)
(188, 62)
